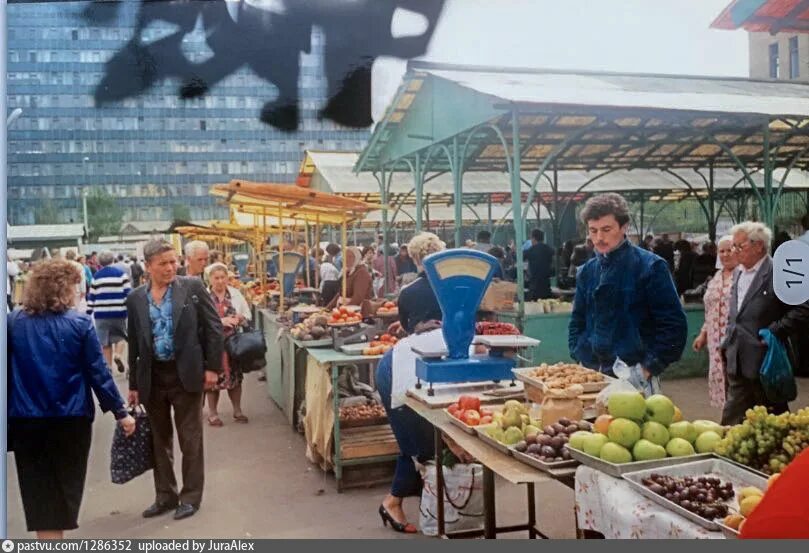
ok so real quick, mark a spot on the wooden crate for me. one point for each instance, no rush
(367, 441)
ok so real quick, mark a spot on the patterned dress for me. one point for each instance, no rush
(232, 376)
(717, 306)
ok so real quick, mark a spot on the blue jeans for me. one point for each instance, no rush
(413, 434)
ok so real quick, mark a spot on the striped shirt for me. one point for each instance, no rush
(108, 291)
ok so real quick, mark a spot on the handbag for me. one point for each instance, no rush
(246, 349)
(131, 456)
(776, 375)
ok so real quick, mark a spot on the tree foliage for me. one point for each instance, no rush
(104, 215)
(181, 212)
(46, 213)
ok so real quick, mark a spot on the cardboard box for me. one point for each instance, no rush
(499, 296)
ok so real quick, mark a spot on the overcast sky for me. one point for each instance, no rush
(648, 36)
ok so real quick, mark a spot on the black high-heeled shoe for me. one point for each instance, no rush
(398, 526)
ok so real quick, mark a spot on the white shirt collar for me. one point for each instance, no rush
(754, 269)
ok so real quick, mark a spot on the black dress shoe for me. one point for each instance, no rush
(184, 510)
(157, 509)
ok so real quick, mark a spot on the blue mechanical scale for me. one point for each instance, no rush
(460, 279)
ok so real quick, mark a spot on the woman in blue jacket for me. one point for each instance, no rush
(55, 361)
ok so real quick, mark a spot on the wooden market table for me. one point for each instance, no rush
(364, 445)
(494, 462)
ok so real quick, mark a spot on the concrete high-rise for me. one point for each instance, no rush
(152, 152)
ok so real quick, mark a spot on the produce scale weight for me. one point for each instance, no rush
(460, 279)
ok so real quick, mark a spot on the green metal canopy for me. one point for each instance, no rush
(536, 124)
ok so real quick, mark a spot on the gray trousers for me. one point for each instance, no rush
(742, 394)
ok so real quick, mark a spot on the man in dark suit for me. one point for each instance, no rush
(540, 266)
(175, 353)
(753, 307)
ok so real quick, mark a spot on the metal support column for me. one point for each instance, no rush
(418, 186)
(641, 223)
(768, 207)
(383, 188)
(712, 218)
(516, 198)
(457, 188)
(491, 222)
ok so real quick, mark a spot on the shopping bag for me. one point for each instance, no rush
(246, 349)
(463, 499)
(776, 371)
(133, 455)
(634, 375)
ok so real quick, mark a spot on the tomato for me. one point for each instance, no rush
(335, 312)
(469, 402)
(389, 305)
(453, 408)
(472, 418)
(344, 311)
(486, 419)
(386, 337)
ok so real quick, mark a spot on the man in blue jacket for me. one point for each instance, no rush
(626, 305)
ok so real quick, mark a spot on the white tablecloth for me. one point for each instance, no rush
(610, 506)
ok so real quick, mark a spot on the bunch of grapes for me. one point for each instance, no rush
(767, 442)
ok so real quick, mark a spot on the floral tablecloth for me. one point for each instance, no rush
(610, 506)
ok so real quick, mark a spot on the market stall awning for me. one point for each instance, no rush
(291, 203)
(765, 16)
(589, 121)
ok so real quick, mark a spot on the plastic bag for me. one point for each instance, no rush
(634, 376)
(629, 379)
(463, 499)
(776, 371)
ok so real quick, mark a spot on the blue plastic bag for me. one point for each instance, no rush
(776, 371)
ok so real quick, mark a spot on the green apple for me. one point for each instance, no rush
(512, 435)
(702, 426)
(593, 444)
(624, 432)
(627, 405)
(497, 434)
(678, 447)
(615, 453)
(577, 439)
(645, 450)
(655, 433)
(707, 441)
(511, 418)
(531, 430)
(660, 409)
(518, 406)
(684, 430)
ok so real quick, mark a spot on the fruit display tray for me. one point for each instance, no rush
(751, 469)
(354, 349)
(387, 314)
(480, 430)
(462, 425)
(587, 387)
(618, 470)
(459, 423)
(323, 342)
(738, 476)
(545, 467)
(729, 532)
(357, 423)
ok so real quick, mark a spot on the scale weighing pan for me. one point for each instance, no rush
(505, 341)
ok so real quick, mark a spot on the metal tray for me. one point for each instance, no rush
(459, 423)
(545, 467)
(354, 349)
(727, 472)
(505, 341)
(616, 470)
(323, 342)
(492, 442)
(738, 464)
(587, 387)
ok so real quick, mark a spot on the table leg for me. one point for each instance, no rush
(338, 464)
(489, 507)
(439, 480)
(532, 511)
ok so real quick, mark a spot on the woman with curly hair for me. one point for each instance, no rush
(55, 361)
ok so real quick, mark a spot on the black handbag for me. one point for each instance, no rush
(246, 349)
(132, 455)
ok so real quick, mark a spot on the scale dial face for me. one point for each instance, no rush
(460, 279)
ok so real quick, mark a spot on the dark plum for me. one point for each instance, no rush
(549, 430)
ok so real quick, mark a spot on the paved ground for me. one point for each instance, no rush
(259, 484)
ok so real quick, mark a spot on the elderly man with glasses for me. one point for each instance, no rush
(753, 307)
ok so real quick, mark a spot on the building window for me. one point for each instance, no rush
(794, 60)
(224, 168)
(203, 125)
(774, 69)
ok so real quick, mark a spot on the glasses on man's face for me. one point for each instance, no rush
(741, 246)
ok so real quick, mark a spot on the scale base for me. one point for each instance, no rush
(477, 368)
